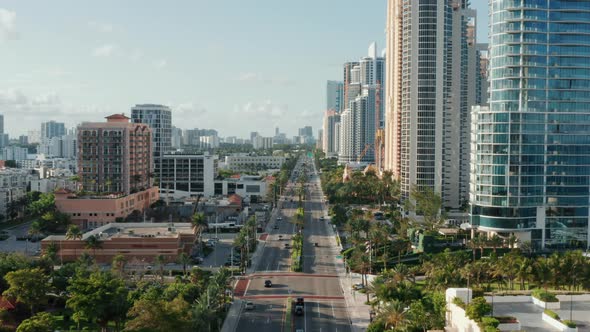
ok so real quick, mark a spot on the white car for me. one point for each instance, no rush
(250, 305)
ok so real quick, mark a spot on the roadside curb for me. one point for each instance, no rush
(287, 326)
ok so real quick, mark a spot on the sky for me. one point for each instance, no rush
(234, 65)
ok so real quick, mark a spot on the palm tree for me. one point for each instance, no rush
(199, 223)
(512, 241)
(51, 252)
(184, 259)
(35, 229)
(495, 241)
(93, 242)
(393, 315)
(160, 260)
(118, 264)
(73, 233)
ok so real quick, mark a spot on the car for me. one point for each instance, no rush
(280, 237)
(358, 286)
(299, 301)
(315, 244)
(322, 218)
(279, 218)
(198, 260)
(250, 305)
(276, 227)
(286, 245)
(149, 267)
(299, 330)
(299, 310)
(267, 283)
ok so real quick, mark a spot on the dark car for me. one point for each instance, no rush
(299, 310)
(268, 283)
(299, 301)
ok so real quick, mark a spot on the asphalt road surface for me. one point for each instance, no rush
(324, 308)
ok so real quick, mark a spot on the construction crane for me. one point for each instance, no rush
(365, 150)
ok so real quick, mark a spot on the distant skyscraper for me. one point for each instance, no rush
(115, 156)
(363, 82)
(176, 138)
(335, 96)
(52, 129)
(330, 139)
(531, 156)
(1, 124)
(159, 119)
(482, 84)
(431, 73)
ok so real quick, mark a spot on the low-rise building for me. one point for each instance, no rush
(13, 186)
(51, 184)
(91, 211)
(245, 185)
(244, 162)
(140, 243)
(188, 175)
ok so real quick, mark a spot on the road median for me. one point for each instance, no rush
(287, 317)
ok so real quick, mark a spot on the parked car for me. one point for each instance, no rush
(250, 305)
(267, 283)
(358, 286)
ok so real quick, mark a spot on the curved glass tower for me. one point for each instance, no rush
(530, 155)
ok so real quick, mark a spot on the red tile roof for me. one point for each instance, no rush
(235, 199)
(117, 117)
(5, 304)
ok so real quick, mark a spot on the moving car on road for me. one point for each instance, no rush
(250, 305)
(358, 286)
(268, 284)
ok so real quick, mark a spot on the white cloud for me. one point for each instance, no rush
(187, 110)
(262, 110)
(7, 25)
(101, 27)
(23, 110)
(104, 50)
(160, 64)
(135, 55)
(255, 77)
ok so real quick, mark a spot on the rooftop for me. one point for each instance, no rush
(133, 230)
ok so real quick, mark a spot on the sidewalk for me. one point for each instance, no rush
(358, 311)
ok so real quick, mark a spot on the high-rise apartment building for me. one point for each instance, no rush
(115, 156)
(52, 129)
(159, 119)
(335, 96)
(530, 173)
(482, 83)
(330, 138)
(363, 113)
(431, 75)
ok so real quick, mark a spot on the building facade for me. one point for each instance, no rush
(139, 243)
(335, 96)
(52, 129)
(244, 162)
(159, 119)
(531, 164)
(431, 72)
(188, 175)
(115, 156)
(13, 187)
(330, 139)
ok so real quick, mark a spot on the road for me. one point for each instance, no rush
(324, 309)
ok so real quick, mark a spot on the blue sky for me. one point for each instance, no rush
(234, 65)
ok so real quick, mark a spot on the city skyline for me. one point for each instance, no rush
(94, 57)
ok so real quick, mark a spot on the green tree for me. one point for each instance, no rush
(93, 243)
(184, 260)
(41, 322)
(199, 223)
(44, 203)
(28, 286)
(394, 315)
(427, 204)
(99, 296)
(118, 264)
(477, 308)
(35, 230)
(160, 260)
(159, 316)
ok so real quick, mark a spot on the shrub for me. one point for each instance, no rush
(569, 323)
(458, 302)
(552, 314)
(506, 319)
(544, 296)
(490, 321)
(490, 329)
(478, 308)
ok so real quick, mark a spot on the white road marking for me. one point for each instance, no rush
(318, 309)
(333, 313)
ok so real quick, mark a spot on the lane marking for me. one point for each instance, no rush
(333, 312)
(318, 309)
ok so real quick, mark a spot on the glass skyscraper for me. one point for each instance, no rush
(530, 167)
